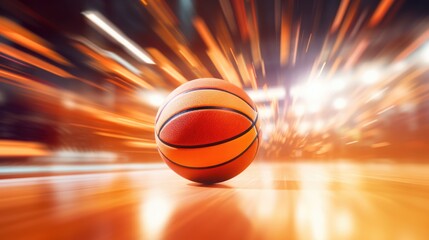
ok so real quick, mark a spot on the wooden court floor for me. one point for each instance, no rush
(267, 201)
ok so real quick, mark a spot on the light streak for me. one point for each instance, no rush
(278, 93)
(27, 58)
(11, 148)
(22, 36)
(340, 15)
(117, 35)
(380, 12)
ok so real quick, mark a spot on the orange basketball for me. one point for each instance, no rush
(207, 130)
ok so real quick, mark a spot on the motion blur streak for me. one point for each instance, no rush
(380, 12)
(218, 59)
(424, 38)
(111, 30)
(25, 38)
(21, 56)
(340, 15)
(341, 89)
(16, 170)
(22, 149)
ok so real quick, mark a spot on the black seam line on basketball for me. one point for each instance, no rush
(212, 143)
(196, 89)
(217, 165)
(202, 108)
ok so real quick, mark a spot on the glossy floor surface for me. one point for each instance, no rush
(267, 201)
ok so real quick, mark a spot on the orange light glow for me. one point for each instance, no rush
(380, 12)
(9, 148)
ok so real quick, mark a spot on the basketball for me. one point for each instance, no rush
(207, 130)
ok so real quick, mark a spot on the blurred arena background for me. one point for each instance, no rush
(342, 88)
(81, 80)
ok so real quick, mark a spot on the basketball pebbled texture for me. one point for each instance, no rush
(207, 130)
